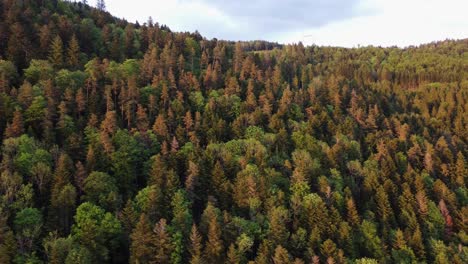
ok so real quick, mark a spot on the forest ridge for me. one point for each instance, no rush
(130, 143)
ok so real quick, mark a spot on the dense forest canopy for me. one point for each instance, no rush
(130, 143)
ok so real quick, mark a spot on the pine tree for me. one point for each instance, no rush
(214, 245)
(233, 255)
(142, 119)
(329, 251)
(63, 195)
(416, 243)
(160, 127)
(251, 101)
(383, 205)
(129, 216)
(162, 245)
(182, 218)
(142, 237)
(191, 182)
(16, 128)
(7, 242)
(238, 57)
(353, 216)
(461, 171)
(80, 101)
(174, 145)
(109, 124)
(221, 185)
(195, 246)
(188, 121)
(278, 232)
(56, 52)
(281, 256)
(399, 240)
(44, 39)
(73, 53)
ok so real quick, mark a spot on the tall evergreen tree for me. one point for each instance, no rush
(73, 52)
(56, 52)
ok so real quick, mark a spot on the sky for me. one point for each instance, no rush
(346, 23)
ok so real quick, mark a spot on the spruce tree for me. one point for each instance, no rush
(73, 53)
(56, 52)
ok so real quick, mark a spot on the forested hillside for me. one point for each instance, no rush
(130, 143)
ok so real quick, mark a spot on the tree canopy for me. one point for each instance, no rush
(127, 142)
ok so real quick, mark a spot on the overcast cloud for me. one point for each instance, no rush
(324, 22)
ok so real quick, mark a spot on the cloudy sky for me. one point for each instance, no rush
(345, 23)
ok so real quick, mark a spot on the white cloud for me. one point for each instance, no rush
(364, 22)
(398, 22)
(235, 20)
(178, 15)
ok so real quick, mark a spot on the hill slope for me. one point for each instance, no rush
(132, 143)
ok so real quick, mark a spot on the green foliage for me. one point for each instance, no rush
(182, 218)
(197, 101)
(25, 153)
(366, 261)
(57, 248)
(27, 225)
(370, 241)
(39, 70)
(70, 79)
(97, 230)
(8, 70)
(35, 113)
(79, 255)
(131, 68)
(100, 188)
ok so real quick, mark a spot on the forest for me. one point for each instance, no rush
(130, 143)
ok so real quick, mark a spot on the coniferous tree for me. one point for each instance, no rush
(142, 237)
(195, 248)
(281, 256)
(353, 216)
(16, 128)
(56, 52)
(73, 52)
(161, 243)
(214, 247)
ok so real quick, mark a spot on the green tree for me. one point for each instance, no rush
(79, 255)
(372, 244)
(8, 73)
(39, 70)
(8, 243)
(100, 189)
(383, 205)
(57, 248)
(182, 218)
(27, 224)
(97, 230)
